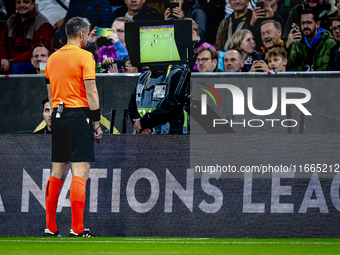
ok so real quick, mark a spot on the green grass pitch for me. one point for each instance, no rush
(161, 48)
(171, 246)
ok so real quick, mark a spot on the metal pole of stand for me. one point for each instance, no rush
(112, 120)
(125, 120)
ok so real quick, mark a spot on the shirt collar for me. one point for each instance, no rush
(315, 39)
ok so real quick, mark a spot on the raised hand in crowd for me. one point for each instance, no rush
(260, 13)
(259, 66)
(113, 69)
(294, 36)
(113, 37)
(57, 25)
(92, 36)
(175, 12)
(108, 62)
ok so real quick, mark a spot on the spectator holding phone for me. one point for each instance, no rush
(179, 9)
(98, 12)
(110, 65)
(323, 10)
(262, 12)
(118, 26)
(173, 10)
(258, 64)
(294, 35)
(111, 41)
(312, 52)
(124, 66)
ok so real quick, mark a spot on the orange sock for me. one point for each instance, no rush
(77, 198)
(51, 201)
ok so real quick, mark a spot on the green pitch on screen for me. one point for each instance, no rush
(158, 45)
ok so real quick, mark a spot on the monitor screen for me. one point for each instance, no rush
(157, 44)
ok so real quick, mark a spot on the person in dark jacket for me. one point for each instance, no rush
(98, 12)
(334, 58)
(3, 15)
(322, 8)
(22, 31)
(312, 52)
(154, 107)
(280, 8)
(138, 10)
(214, 9)
(238, 20)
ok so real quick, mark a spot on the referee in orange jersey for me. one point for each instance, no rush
(72, 92)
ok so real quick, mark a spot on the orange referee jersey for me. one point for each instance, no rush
(66, 70)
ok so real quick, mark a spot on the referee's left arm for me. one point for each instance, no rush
(93, 101)
(49, 92)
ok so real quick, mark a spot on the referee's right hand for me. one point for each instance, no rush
(97, 130)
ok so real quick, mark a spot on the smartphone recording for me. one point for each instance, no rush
(103, 32)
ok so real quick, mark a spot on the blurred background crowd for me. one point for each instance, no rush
(228, 35)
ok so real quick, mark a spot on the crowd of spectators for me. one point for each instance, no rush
(229, 35)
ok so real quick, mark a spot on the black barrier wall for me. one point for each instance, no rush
(21, 96)
(285, 184)
(142, 186)
(21, 109)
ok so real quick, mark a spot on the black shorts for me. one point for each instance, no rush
(72, 136)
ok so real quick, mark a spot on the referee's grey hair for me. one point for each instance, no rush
(75, 25)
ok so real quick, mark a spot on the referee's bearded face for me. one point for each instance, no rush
(84, 38)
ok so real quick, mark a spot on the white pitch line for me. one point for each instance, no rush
(140, 241)
(129, 238)
(144, 46)
(171, 50)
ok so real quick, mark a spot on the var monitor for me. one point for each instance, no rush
(159, 42)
